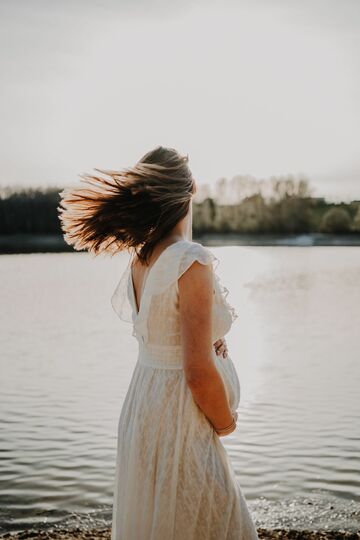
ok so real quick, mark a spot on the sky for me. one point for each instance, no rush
(257, 87)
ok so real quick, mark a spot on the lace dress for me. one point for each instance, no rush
(173, 480)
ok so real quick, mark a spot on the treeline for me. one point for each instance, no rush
(243, 205)
(29, 211)
(280, 205)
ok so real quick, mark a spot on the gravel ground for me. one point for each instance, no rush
(276, 534)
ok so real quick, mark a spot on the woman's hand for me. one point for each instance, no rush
(220, 347)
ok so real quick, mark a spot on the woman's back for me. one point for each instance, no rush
(157, 322)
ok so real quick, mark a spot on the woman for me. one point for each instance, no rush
(173, 476)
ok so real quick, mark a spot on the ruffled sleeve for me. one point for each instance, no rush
(202, 254)
(194, 252)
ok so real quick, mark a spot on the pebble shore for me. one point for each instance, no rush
(276, 534)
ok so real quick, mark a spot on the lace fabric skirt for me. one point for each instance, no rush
(173, 479)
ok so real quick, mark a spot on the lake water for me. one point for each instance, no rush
(67, 360)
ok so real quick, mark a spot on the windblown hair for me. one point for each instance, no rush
(131, 208)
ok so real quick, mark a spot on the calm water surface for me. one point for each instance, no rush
(67, 360)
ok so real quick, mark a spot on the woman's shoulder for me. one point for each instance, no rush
(197, 251)
(194, 251)
(186, 248)
(174, 261)
(192, 245)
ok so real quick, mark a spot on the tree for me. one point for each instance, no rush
(221, 188)
(335, 220)
(355, 226)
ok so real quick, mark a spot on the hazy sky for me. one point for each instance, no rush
(261, 87)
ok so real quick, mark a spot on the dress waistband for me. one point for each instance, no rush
(160, 356)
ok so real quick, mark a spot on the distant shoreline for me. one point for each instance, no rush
(300, 240)
(29, 243)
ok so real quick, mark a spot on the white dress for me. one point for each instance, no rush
(173, 480)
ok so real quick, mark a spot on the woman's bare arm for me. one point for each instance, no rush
(204, 380)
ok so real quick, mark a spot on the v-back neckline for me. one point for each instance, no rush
(138, 309)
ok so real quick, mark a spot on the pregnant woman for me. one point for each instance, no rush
(174, 479)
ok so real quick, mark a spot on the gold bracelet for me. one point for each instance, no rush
(227, 427)
(227, 430)
(233, 423)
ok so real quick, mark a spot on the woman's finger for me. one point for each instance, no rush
(217, 346)
(221, 347)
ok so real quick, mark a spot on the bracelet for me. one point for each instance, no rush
(229, 428)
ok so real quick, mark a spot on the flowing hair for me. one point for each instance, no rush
(130, 208)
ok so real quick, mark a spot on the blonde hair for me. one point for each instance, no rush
(131, 208)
